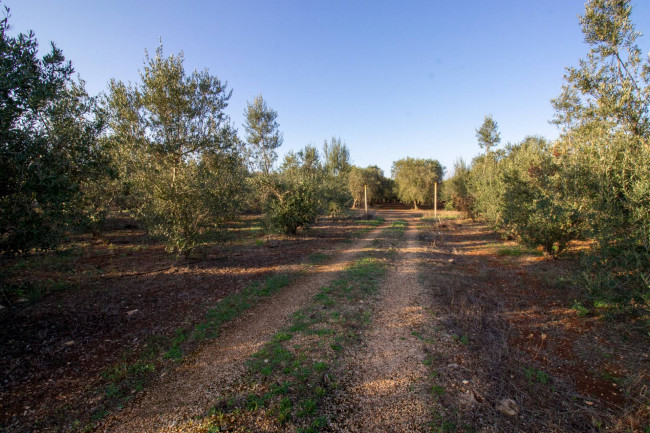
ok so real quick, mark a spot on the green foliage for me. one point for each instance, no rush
(52, 164)
(457, 192)
(295, 205)
(262, 134)
(177, 152)
(372, 178)
(415, 179)
(294, 194)
(485, 186)
(532, 203)
(488, 135)
(336, 168)
(305, 188)
(535, 375)
(336, 157)
(604, 112)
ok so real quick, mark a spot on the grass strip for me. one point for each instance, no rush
(294, 373)
(125, 379)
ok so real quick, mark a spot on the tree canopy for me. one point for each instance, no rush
(50, 154)
(177, 150)
(262, 134)
(488, 134)
(416, 178)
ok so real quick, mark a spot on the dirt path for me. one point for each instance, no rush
(190, 390)
(387, 390)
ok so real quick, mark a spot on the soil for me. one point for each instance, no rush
(190, 391)
(465, 336)
(111, 295)
(505, 329)
(386, 383)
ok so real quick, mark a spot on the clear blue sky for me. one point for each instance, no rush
(391, 78)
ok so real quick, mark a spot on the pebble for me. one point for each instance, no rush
(465, 381)
(508, 406)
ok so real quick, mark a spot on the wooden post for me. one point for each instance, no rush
(435, 200)
(365, 197)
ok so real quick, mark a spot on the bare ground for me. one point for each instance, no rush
(386, 387)
(456, 329)
(190, 390)
(66, 317)
(504, 329)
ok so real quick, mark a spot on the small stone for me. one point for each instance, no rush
(589, 403)
(465, 381)
(452, 365)
(508, 406)
(69, 343)
(468, 398)
(131, 312)
(451, 261)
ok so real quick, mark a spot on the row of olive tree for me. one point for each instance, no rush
(594, 181)
(162, 148)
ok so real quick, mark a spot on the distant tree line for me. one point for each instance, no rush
(593, 183)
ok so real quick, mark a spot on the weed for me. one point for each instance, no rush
(317, 257)
(437, 390)
(308, 407)
(535, 375)
(581, 309)
(282, 336)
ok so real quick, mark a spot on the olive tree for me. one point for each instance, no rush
(532, 200)
(416, 179)
(178, 153)
(296, 193)
(604, 113)
(365, 183)
(457, 189)
(52, 164)
(262, 134)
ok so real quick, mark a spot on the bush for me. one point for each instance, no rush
(456, 192)
(293, 205)
(532, 205)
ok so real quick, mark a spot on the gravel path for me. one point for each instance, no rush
(387, 378)
(193, 387)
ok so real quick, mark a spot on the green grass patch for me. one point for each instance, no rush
(318, 257)
(517, 251)
(325, 328)
(131, 374)
(535, 375)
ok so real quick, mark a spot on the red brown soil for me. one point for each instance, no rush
(125, 289)
(597, 368)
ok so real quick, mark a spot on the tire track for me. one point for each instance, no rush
(386, 389)
(202, 379)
